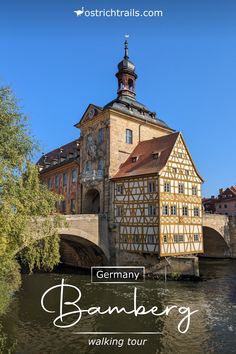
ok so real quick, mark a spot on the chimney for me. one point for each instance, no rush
(221, 190)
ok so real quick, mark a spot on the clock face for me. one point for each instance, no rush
(91, 113)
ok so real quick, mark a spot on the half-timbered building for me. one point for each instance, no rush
(134, 169)
(157, 199)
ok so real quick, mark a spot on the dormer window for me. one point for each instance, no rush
(134, 158)
(155, 155)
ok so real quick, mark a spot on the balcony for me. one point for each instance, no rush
(93, 175)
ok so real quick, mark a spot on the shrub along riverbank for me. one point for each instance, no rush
(23, 202)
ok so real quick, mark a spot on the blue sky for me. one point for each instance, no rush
(58, 63)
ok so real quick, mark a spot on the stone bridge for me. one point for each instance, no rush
(219, 235)
(84, 240)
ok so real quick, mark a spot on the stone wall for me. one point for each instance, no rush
(173, 266)
(86, 226)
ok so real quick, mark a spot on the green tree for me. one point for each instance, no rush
(28, 219)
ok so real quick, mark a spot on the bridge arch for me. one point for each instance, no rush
(79, 252)
(214, 243)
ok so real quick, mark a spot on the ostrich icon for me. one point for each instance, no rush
(79, 12)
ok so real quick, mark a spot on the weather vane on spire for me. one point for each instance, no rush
(126, 46)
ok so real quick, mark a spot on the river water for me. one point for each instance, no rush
(27, 329)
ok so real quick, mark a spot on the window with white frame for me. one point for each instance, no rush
(173, 210)
(196, 212)
(165, 210)
(181, 188)
(167, 187)
(151, 210)
(178, 238)
(119, 211)
(119, 189)
(194, 190)
(151, 186)
(185, 210)
(129, 136)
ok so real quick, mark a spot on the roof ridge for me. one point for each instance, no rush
(61, 146)
(159, 137)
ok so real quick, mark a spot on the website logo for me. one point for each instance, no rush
(118, 12)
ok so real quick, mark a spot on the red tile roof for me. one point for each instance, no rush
(233, 189)
(227, 194)
(144, 151)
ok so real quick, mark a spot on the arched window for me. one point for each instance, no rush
(131, 85)
(121, 86)
(129, 136)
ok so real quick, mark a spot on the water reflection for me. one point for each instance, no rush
(212, 328)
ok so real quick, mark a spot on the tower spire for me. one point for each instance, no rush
(126, 56)
(126, 74)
